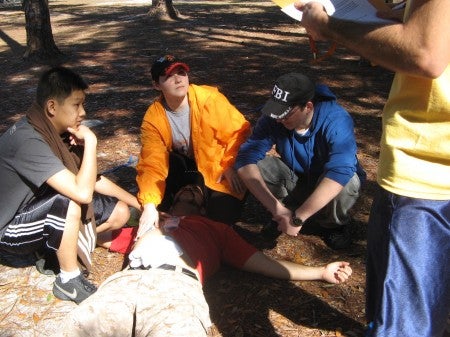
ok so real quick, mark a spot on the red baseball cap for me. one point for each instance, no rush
(164, 65)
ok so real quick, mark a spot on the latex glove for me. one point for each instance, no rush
(135, 259)
(148, 220)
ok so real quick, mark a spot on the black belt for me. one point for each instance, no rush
(185, 271)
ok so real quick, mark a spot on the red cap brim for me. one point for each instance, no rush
(175, 65)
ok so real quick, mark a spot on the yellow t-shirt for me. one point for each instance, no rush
(415, 145)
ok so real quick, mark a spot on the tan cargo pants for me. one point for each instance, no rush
(152, 302)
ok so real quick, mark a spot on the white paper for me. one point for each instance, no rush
(352, 10)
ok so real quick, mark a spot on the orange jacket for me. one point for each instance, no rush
(217, 131)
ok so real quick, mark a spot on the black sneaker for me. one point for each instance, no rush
(76, 289)
(47, 263)
(338, 238)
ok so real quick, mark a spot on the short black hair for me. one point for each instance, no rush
(58, 83)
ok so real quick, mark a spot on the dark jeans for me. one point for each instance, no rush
(408, 271)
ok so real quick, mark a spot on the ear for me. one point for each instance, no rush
(156, 85)
(51, 106)
(310, 106)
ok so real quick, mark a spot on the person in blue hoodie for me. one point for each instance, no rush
(313, 173)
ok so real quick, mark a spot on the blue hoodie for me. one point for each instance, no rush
(328, 149)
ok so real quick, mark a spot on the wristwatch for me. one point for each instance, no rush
(296, 222)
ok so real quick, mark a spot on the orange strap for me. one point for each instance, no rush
(316, 59)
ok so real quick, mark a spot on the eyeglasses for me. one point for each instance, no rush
(294, 109)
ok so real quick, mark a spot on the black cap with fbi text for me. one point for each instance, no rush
(289, 90)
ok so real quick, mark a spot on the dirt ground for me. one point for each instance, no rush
(241, 47)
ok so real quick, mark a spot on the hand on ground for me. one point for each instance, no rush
(337, 272)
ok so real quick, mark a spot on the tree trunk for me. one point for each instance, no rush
(40, 43)
(164, 10)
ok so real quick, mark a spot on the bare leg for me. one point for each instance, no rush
(118, 218)
(104, 239)
(67, 252)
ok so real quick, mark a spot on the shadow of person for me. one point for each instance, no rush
(254, 235)
(44, 260)
(245, 304)
(17, 261)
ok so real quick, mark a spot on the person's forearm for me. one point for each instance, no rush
(325, 191)
(387, 46)
(107, 187)
(87, 174)
(419, 47)
(252, 178)
(377, 43)
(298, 272)
(281, 269)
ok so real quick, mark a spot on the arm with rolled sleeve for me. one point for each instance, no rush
(252, 151)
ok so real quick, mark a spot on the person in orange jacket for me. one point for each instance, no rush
(189, 128)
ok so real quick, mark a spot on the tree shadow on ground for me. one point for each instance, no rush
(249, 308)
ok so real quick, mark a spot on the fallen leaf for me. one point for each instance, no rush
(36, 318)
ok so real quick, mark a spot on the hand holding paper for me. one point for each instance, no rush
(287, 6)
(352, 10)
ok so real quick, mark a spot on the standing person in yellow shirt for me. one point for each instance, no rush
(408, 274)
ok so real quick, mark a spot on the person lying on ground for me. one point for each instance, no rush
(160, 292)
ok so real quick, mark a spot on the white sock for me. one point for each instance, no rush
(66, 276)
